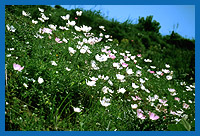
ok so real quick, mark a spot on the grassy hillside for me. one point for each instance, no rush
(73, 70)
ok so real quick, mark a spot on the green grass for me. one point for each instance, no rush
(50, 105)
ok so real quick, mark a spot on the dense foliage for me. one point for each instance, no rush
(76, 70)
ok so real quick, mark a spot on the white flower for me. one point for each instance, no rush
(40, 80)
(90, 83)
(121, 90)
(44, 17)
(129, 71)
(65, 17)
(167, 65)
(10, 28)
(171, 90)
(67, 69)
(77, 109)
(53, 27)
(117, 65)
(25, 85)
(138, 67)
(138, 73)
(165, 71)
(93, 79)
(71, 23)
(143, 87)
(25, 14)
(77, 28)
(120, 77)
(134, 86)
(71, 50)
(147, 60)
(41, 10)
(94, 66)
(105, 101)
(53, 63)
(110, 82)
(134, 106)
(34, 22)
(79, 13)
(65, 40)
(106, 90)
(101, 58)
(107, 36)
(169, 77)
(8, 55)
(153, 67)
(142, 81)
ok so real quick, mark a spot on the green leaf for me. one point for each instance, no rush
(186, 124)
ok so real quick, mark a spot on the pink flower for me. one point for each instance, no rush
(153, 116)
(124, 65)
(112, 56)
(76, 18)
(185, 106)
(177, 99)
(17, 67)
(151, 72)
(58, 40)
(139, 114)
(139, 55)
(47, 30)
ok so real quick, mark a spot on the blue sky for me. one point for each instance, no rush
(167, 15)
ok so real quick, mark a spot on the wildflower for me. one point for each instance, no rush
(138, 73)
(167, 65)
(79, 13)
(53, 63)
(153, 116)
(120, 77)
(65, 17)
(40, 80)
(25, 85)
(47, 30)
(140, 114)
(90, 83)
(65, 40)
(101, 58)
(105, 101)
(10, 28)
(41, 10)
(53, 27)
(107, 36)
(185, 106)
(94, 66)
(112, 56)
(124, 65)
(71, 50)
(147, 60)
(71, 23)
(25, 14)
(17, 67)
(165, 71)
(34, 22)
(139, 55)
(117, 65)
(171, 90)
(129, 71)
(151, 72)
(177, 99)
(106, 90)
(110, 82)
(153, 67)
(169, 77)
(58, 40)
(121, 90)
(77, 109)
(134, 106)
(67, 69)
(142, 80)
(77, 28)
(133, 57)
(134, 86)
(8, 55)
